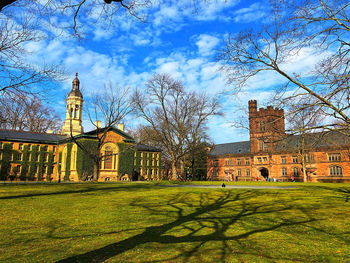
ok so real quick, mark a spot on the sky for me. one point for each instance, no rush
(176, 38)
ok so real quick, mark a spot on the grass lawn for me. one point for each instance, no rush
(145, 222)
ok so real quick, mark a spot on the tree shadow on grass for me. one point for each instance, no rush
(198, 222)
(86, 189)
(343, 191)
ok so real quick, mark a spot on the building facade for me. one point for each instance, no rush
(272, 154)
(69, 156)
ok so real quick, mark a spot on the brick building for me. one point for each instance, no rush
(272, 154)
(46, 156)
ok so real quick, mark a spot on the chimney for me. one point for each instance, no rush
(98, 124)
(121, 126)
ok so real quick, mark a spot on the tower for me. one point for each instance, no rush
(73, 124)
(266, 127)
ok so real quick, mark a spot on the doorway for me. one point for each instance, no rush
(264, 172)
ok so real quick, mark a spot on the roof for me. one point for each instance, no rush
(314, 141)
(26, 136)
(75, 89)
(128, 138)
(144, 147)
(75, 92)
(231, 148)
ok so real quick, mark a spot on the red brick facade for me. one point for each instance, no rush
(274, 155)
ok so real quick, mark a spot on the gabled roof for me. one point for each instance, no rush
(147, 148)
(231, 148)
(128, 138)
(26, 136)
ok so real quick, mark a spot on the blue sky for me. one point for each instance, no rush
(175, 39)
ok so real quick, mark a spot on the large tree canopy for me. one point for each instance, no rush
(176, 116)
(295, 28)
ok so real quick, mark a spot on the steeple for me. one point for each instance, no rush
(75, 87)
(73, 123)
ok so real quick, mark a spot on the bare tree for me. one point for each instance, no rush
(319, 27)
(301, 121)
(77, 11)
(17, 75)
(25, 113)
(176, 116)
(111, 107)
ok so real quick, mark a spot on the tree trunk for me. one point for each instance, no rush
(173, 170)
(96, 172)
(303, 159)
(182, 170)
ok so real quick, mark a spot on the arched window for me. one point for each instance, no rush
(110, 160)
(335, 171)
(73, 157)
(295, 171)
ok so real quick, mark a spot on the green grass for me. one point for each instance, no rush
(144, 222)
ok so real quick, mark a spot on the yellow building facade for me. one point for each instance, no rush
(71, 155)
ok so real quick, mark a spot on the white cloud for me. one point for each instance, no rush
(206, 44)
(249, 14)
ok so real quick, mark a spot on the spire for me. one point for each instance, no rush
(75, 87)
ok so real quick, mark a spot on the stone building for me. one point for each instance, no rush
(272, 154)
(53, 157)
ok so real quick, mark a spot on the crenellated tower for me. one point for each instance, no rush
(73, 123)
(266, 127)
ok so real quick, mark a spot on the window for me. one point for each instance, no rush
(0, 145)
(295, 171)
(247, 161)
(283, 159)
(46, 157)
(295, 159)
(54, 148)
(231, 162)
(29, 147)
(262, 126)
(261, 145)
(19, 156)
(108, 158)
(247, 172)
(259, 159)
(265, 159)
(239, 162)
(309, 158)
(45, 148)
(20, 146)
(11, 146)
(284, 171)
(334, 157)
(115, 161)
(227, 162)
(335, 171)
(265, 147)
(239, 172)
(37, 157)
